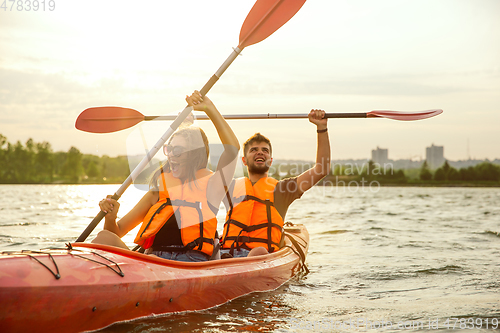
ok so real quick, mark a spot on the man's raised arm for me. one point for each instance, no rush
(322, 166)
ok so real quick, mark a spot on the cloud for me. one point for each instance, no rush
(33, 101)
(386, 85)
(30, 87)
(33, 87)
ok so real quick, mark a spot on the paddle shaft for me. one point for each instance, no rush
(264, 116)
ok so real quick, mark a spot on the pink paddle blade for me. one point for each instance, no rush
(398, 115)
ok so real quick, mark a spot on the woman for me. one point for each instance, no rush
(178, 212)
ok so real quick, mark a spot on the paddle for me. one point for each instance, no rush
(113, 118)
(265, 17)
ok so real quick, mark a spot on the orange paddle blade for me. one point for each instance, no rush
(265, 18)
(107, 119)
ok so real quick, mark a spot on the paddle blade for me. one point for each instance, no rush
(265, 17)
(107, 119)
(405, 116)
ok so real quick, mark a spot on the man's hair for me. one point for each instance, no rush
(256, 138)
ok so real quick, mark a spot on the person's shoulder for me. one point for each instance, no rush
(288, 180)
(153, 195)
(286, 191)
(286, 185)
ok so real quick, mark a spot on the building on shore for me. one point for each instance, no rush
(434, 155)
(380, 156)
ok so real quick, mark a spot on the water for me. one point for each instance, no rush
(413, 257)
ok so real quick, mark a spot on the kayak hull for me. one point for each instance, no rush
(100, 285)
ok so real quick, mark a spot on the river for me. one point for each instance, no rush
(388, 258)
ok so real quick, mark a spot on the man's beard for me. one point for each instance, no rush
(258, 170)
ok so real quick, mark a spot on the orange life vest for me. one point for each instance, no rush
(252, 220)
(188, 202)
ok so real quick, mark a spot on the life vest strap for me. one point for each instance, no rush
(236, 223)
(270, 224)
(247, 228)
(227, 226)
(245, 239)
(189, 246)
(184, 203)
(262, 226)
(167, 203)
(197, 206)
(198, 241)
(248, 197)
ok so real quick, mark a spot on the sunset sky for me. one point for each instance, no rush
(340, 56)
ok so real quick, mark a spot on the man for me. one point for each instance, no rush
(257, 205)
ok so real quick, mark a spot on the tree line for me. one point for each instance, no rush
(37, 163)
(483, 172)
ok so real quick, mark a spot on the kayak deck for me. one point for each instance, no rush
(91, 286)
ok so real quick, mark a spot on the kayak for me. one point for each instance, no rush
(88, 286)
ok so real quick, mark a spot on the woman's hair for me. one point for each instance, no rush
(197, 154)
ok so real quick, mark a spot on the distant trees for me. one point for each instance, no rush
(370, 171)
(425, 173)
(44, 162)
(73, 168)
(16, 161)
(385, 173)
(36, 163)
(485, 171)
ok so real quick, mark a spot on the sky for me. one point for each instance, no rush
(340, 56)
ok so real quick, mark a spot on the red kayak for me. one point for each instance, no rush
(90, 286)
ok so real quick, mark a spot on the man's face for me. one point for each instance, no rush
(258, 158)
